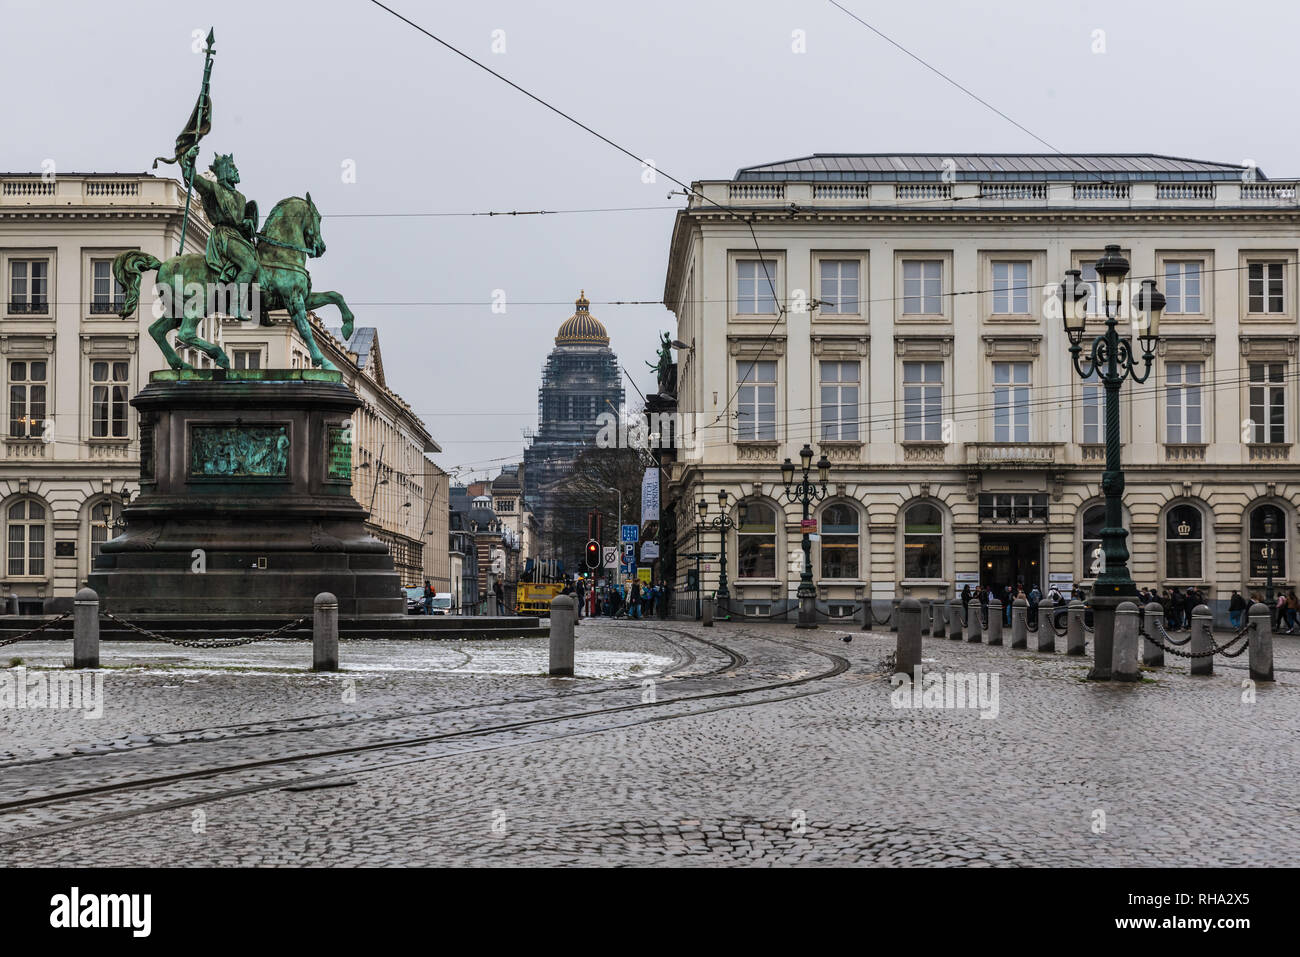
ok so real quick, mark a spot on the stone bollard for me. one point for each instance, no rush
(325, 633)
(1075, 643)
(995, 622)
(907, 647)
(1201, 641)
(1124, 658)
(927, 608)
(940, 617)
(1020, 623)
(1153, 613)
(974, 625)
(706, 613)
(563, 613)
(956, 620)
(85, 629)
(1046, 626)
(1261, 643)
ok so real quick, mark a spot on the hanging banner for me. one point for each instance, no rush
(649, 551)
(650, 496)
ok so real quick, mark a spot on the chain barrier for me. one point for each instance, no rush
(35, 631)
(1160, 627)
(1242, 636)
(209, 642)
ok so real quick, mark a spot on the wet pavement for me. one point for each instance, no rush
(742, 744)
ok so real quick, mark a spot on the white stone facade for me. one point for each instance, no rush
(915, 351)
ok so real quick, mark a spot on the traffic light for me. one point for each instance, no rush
(593, 554)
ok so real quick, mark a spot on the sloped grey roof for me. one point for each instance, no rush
(1019, 167)
(363, 337)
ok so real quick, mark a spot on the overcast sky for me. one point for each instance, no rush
(702, 87)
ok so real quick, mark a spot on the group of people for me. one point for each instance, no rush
(986, 593)
(1178, 604)
(636, 599)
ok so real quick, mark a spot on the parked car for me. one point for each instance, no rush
(414, 599)
(442, 603)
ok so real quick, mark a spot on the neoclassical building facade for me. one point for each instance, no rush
(897, 313)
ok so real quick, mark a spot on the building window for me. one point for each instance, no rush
(1094, 403)
(505, 505)
(839, 287)
(1183, 539)
(1267, 542)
(1011, 508)
(1094, 520)
(1183, 287)
(1268, 402)
(922, 401)
(1264, 288)
(246, 358)
(923, 541)
(1088, 276)
(108, 385)
(756, 401)
(1011, 401)
(755, 285)
(1011, 288)
(922, 287)
(27, 385)
(839, 549)
(29, 286)
(1183, 402)
(26, 539)
(839, 400)
(107, 294)
(756, 541)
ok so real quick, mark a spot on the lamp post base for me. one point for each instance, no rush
(807, 612)
(1103, 635)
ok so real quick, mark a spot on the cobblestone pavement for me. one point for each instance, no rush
(763, 750)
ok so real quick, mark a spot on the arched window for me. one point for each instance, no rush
(839, 549)
(26, 535)
(923, 541)
(1267, 542)
(1183, 540)
(1094, 520)
(756, 542)
(101, 526)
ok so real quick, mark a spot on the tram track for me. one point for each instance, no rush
(478, 738)
(259, 729)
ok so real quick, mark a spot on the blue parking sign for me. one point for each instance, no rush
(630, 534)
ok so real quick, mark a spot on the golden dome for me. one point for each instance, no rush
(582, 328)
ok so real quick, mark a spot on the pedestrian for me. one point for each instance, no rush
(499, 593)
(428, 597)
(1191, 601)
(1236, 605)
(1175, 609)
(1292, 606)
(1007, 598)
(1279, 612)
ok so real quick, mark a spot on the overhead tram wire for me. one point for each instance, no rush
(690, 190)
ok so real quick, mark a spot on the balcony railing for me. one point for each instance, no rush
(101, 308)
(973, 194)
(1034, 454)
(28, 308)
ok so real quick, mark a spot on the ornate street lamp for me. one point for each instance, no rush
(1268, 556)
(722, 523)
(1112, 359)
(806, 493)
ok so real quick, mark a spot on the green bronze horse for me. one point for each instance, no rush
(186, 285)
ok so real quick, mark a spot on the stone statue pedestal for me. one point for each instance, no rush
(245, 504)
